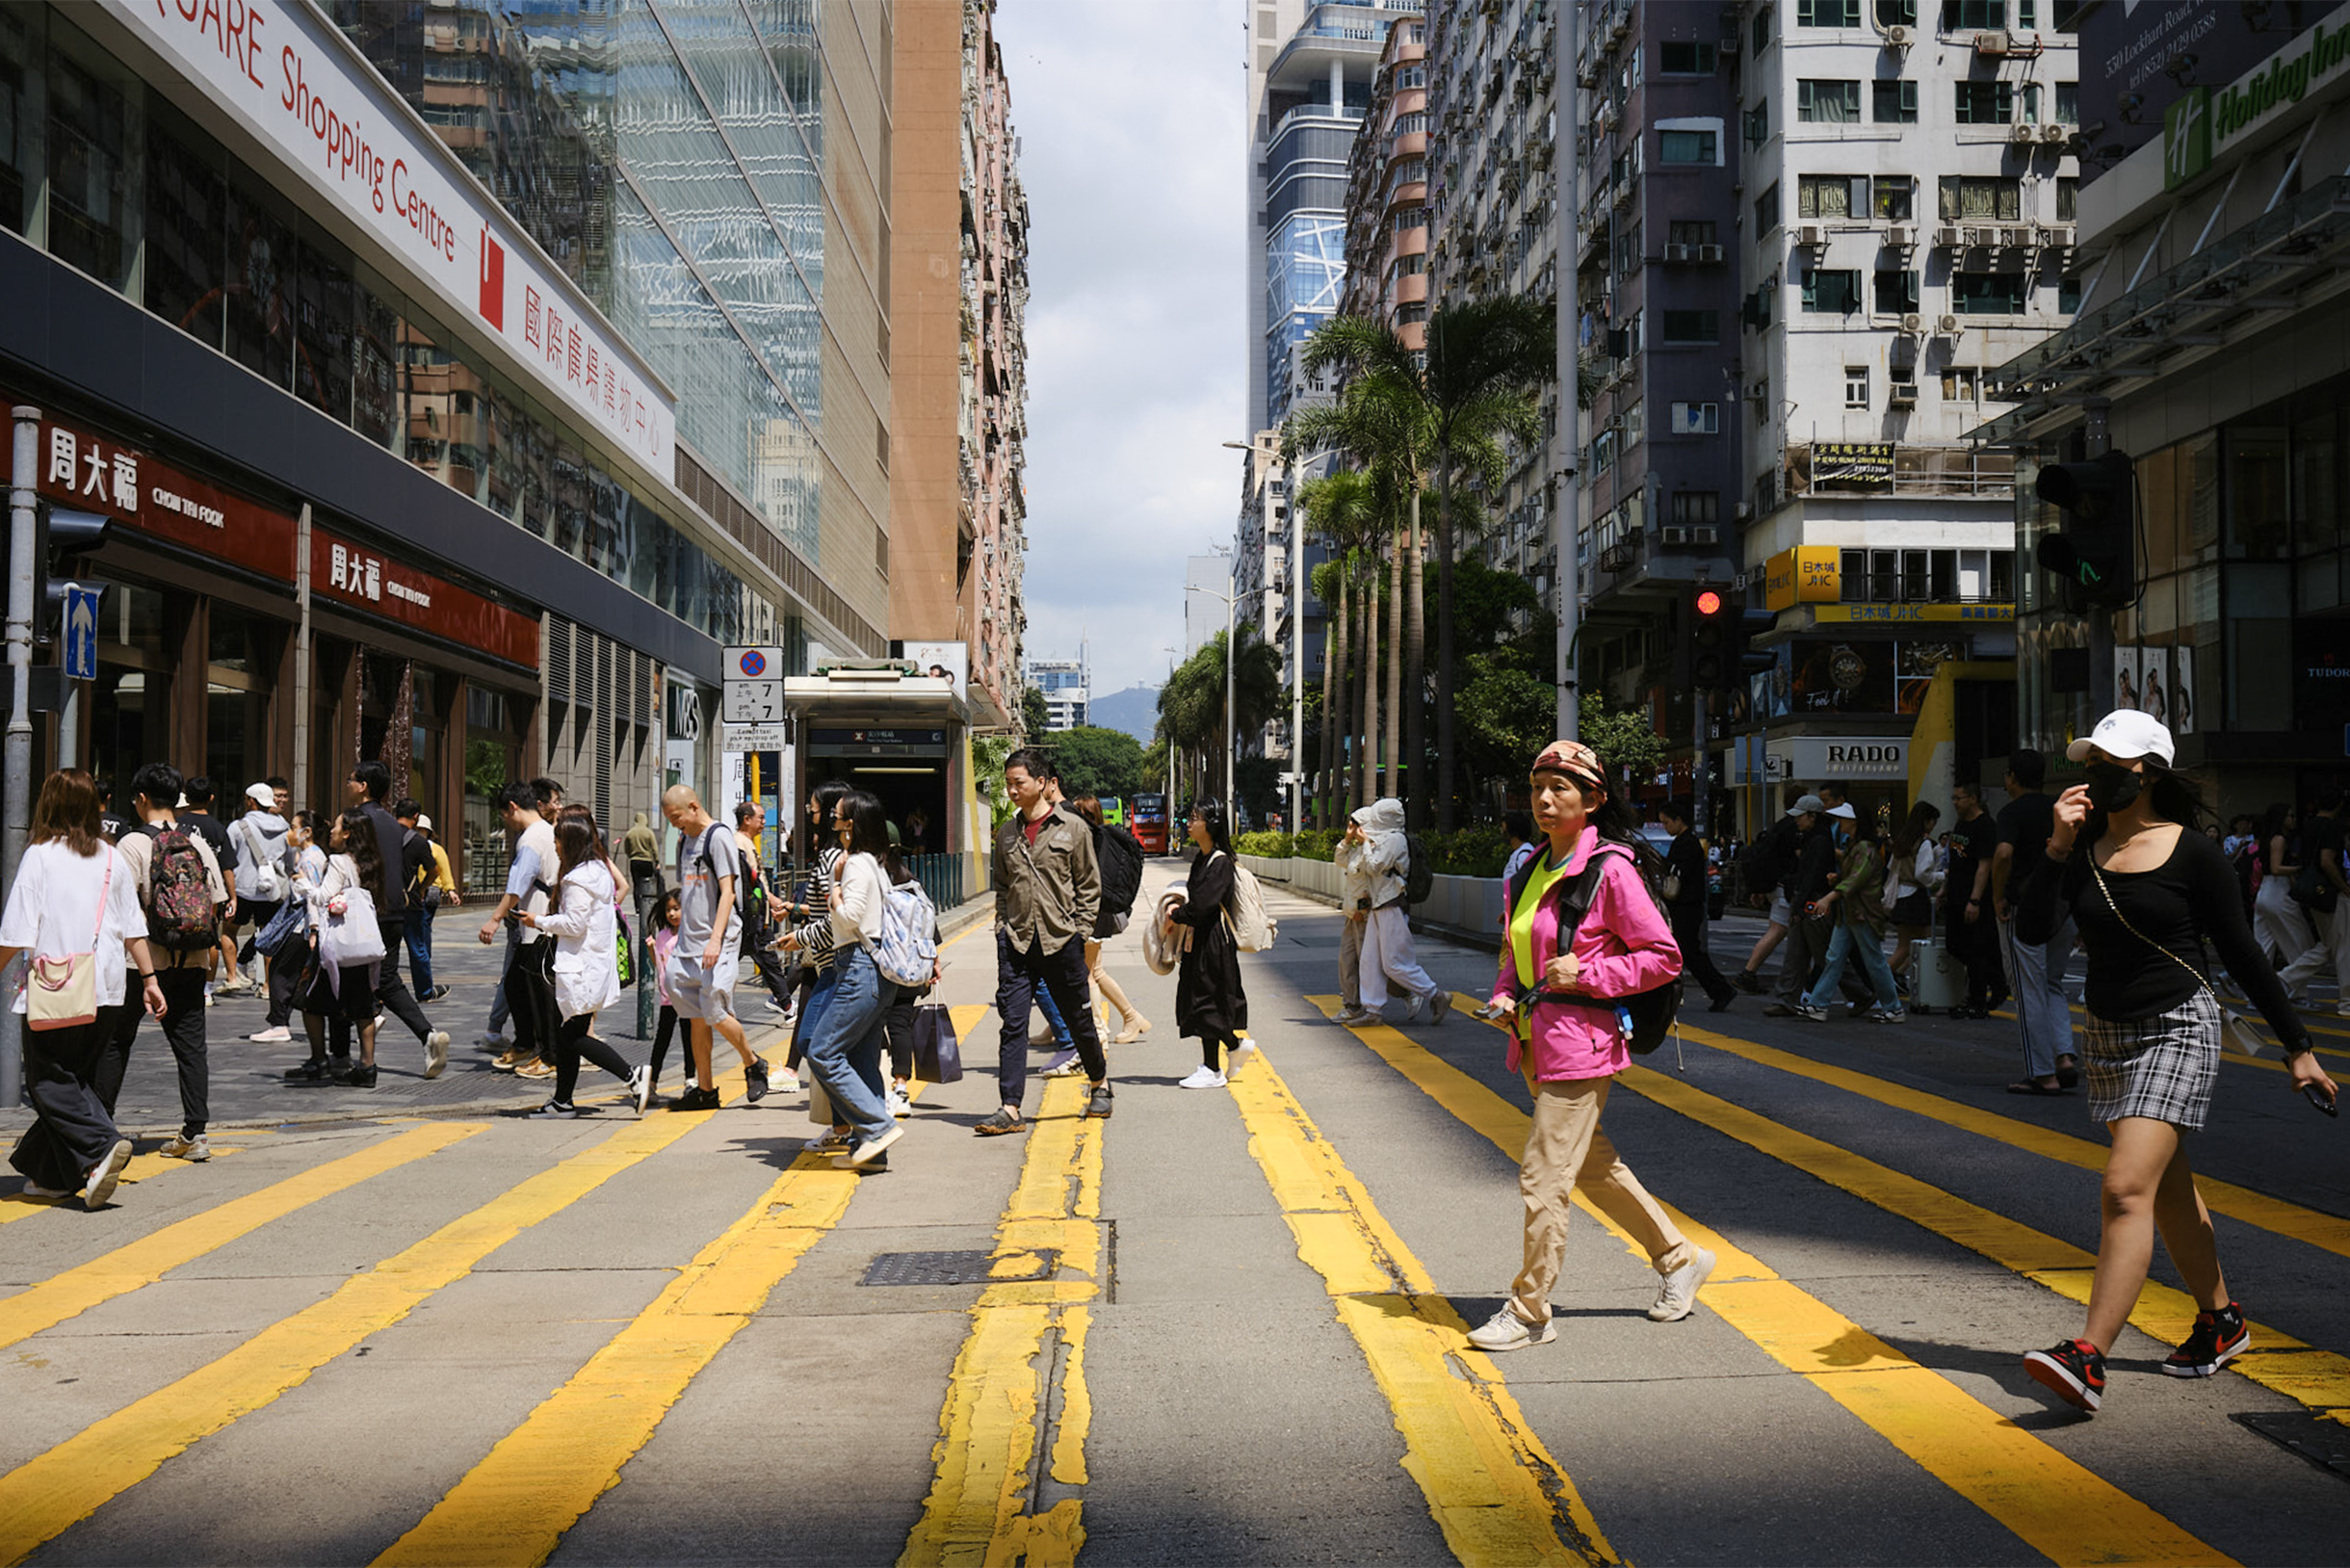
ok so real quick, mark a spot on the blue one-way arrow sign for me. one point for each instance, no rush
(81, 633)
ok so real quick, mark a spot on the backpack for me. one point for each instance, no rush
(270, 880)
(908, 952)
(181, 917)
(1253, 928)
(1769, 859)
(1419, 870)
(1121, 862)
(1653, 1012)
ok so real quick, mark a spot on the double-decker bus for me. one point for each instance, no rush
(1113, 811)
(1147, 820)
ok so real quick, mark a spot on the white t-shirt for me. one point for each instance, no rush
(53, 911)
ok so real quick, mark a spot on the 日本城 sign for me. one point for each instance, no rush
(1807, 574)
(286, 76)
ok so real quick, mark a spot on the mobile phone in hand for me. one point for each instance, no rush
(2319, 1098)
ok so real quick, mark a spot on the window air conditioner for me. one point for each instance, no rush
(1811, 234)
(1671, 535)
(1913, 324)
(2060, 235)
(1705, 535)
(1676, 253)
(1729, 45)
(1902, 395)
(1982, 236)
(2023, 133)
(1990, 41)
(1946, 325)
(1709, 252)
(1946, 235)
(1901, 235)
(1743, 511)
(2053, 133)
(1897, 37)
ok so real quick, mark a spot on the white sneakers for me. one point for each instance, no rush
(640, 1087)
(278, 1035)
(1676, 1292)
(1203, 1078)
(1239, 1057)
(1506, 1330)
(105, 1175)
(195, 1150)
(437, 1054)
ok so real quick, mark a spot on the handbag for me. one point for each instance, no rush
(2236, 1032)
(352, 937)
(937, 1058)
(63, 992)
(288, 926)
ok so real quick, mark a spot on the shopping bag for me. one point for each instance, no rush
(937, 1058)
(290, 924)
(819, 1103)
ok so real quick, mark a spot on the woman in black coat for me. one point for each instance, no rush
(1209, 1004)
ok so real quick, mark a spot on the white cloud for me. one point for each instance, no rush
(1133, 150)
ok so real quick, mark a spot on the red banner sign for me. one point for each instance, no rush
(342, 572)
(98, 474)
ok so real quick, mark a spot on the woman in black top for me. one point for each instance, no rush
(1209, 1004)
(2143, 886)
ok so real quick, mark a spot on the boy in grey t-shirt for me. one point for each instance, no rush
(702, 968)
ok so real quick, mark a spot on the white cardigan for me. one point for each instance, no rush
(587, 971)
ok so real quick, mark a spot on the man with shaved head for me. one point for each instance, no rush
(709, 951)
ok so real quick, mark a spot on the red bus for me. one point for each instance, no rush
(1148, 823)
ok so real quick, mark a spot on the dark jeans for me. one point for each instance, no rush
(1021, 974)
(572, 1042)
(1977, 947)
(284, 976)
(899, 1022)
(183, 1031)
(1689, 932)
(417, 926)
(665, 1029)
(1804, 951)
(529, 996)
(390, 989)
(75, 1128)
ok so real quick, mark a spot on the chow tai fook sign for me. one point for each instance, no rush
(342, 572)
(94, 473)
(291, 79)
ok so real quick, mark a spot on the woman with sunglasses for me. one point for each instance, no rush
(2128, 864)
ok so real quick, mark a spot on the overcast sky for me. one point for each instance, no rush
(1130, 124)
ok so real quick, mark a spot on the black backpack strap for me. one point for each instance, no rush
(1574, 904)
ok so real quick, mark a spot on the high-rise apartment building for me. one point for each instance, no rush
(1275, 586)
(1066, 685)
(1310, 68)
(958, 352)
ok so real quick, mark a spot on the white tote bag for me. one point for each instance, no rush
(351, 937)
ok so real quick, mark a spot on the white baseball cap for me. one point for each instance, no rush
(261, 795)
(1844, 809)
(424, 822)
(2125, 735)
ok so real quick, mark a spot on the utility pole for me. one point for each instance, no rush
(1568, 165)
(2098, 440)
(16, 770)
(1700, 791)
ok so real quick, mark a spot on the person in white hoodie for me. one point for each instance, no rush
(264, 881)
(587, 970)
(845, 1051)
(1376, 858)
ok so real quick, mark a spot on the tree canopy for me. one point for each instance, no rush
(1104, 762)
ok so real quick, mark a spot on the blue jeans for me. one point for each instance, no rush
(844, 1050)
(1847, 941)
(1052, 1015)
(419, 932)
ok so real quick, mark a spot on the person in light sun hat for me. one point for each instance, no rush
(2130, 864)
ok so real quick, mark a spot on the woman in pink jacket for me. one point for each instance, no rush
(1568, 1039)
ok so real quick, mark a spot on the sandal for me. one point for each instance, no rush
(2068, 1072)
(2033, 1085)
(999, 1124)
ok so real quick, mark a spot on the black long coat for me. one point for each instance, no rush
(1209, 1001)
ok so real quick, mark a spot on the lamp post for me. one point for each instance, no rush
(1298, 645)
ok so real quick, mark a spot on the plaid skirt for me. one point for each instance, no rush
(2161, 1067)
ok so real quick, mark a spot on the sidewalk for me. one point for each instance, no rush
(247, 1089)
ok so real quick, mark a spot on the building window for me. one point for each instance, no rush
(1896, 291)
(1692, 325)
(1414, 311)
(1896, 13)
(1411, 78)
(1971, 199)
(92, 168)
(1830, 195)
(1700, 509)
(1831, 293)
(2068, 294)
(1987, 294)
(1411, 124)
(1893, 101)
(1685, 59)
(1687, 146)
(1762, 29)
(1856, 386)
(1827, 13)
(1827, 102)
(1755, 312)
(1689, 231)
(2067, 103)
(2068, 198)
(1697, 418)
(1964, 13)
(1758, 124)
(2030, 101)
(1985, 103)
(1961, 384)
(1766, 210)
(1410, 217)
(1896, 198)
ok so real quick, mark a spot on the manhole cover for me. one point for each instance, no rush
(953, 1268)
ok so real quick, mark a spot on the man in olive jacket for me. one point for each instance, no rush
(1048, 892)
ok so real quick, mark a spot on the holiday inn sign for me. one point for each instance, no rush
(2202, 124)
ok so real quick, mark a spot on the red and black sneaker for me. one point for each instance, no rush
(2218, 1338)
(2072, 1370)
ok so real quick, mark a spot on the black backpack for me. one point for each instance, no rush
(1121, 862)
(1419, 870)
(1653, 1012)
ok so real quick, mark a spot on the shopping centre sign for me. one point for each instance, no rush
(2204, 123)
(284, 74)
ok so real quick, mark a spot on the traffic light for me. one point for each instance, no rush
(2095, 555)
(59, 536)
(1709, 617)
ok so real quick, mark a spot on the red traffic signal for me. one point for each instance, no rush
(1709, 603)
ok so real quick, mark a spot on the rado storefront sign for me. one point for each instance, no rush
(1819, 758)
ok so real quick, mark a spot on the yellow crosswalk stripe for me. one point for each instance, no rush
(2056, 1506)
(149, 1259)
(989, 1458)
(55, 1490)
(18, 1204)
(1491, 1486)
(2328, 1232)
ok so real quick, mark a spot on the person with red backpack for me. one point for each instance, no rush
(181, 889)
(1562, 975)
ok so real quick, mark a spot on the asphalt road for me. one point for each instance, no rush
(1221, 1326)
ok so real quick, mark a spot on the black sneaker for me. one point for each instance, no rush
(1098, 1104)
(313, 1071)
(2217, 1339)
(998, 1125)
(1748, 982)
(2072, 1370)
(755, 1075)
(362, 1077)
(696, 1099)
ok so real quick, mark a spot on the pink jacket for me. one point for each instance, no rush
(1622, 946)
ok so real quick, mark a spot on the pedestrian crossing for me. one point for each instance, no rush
(1012, 1470)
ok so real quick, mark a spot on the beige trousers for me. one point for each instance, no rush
(1564, 1150)
(1104, 987)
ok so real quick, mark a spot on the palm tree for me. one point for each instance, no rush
(1342, 510)
(1485, 364)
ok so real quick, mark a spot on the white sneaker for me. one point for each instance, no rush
(1506, 1330)
(195, 1150)
(437, 1054)
(1676, 1292)
(105, 1174)
(832, 1142)
(34, 1189)
(640, 1087)
(1416, 1011)
(1440, 1003)
(1239, 1057)
(555, 1111)
(899, 1103)
(277, 1035)
(866, 1151)
(1203, 1078)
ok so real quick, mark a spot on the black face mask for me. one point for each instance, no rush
(2113, 787)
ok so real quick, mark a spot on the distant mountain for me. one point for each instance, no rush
(1135, 710)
